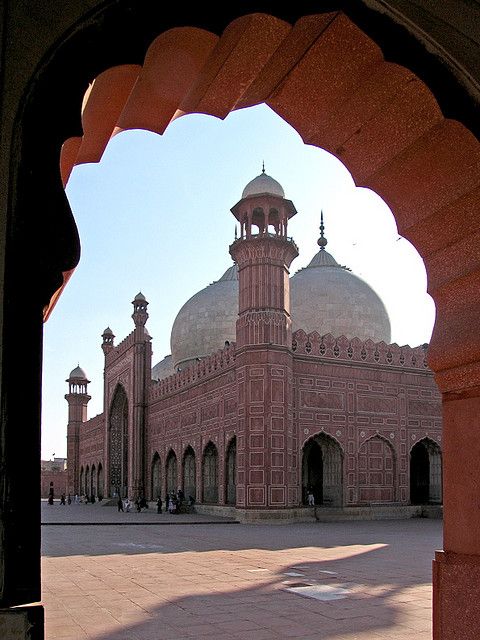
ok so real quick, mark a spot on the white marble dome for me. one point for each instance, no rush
(78, 374)
(206, 321)
(263, 184)
(328, 298)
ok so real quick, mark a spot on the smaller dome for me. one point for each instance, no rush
(163, 369)
(78, 373)
(263, 184)
(140, 297)
(107, 332)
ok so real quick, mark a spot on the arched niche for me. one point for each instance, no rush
(210, 474)
(322, 470)
(118, 443)
(189, 473)
(155, 477)
(426, 472)
(171, 473)
(231, 472)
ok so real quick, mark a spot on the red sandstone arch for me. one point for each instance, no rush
(385, 125)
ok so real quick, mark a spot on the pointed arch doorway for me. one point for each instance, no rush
(322, 471)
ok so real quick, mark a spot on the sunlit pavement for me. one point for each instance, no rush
(360, 580)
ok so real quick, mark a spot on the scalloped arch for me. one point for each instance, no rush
(376, 116)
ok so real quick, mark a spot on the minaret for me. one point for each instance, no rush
(108, 337)
(78, 399)
(142, 364)
(263, 253)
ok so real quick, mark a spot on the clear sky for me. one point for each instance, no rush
(154, 216)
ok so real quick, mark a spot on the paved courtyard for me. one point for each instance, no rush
(159, 577)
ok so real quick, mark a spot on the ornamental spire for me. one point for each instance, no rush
(322, 241)
(263, 166)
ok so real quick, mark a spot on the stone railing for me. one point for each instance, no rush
(356, 350)
(204, 368)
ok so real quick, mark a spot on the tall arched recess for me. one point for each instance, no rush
(118, 444)
(431, 181)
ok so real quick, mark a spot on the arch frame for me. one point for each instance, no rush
(30, 174)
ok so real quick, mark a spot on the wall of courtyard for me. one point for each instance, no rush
(192, 409)
(375, 400)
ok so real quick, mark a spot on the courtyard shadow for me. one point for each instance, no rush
(373, 580)
(280, 607)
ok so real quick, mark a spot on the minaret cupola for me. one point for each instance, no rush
(140, 315)
(264, 206)
(107, 337)
(77, 382)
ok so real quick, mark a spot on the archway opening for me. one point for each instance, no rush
(100, 482)
(189, 474)
(231, 472)
(155, 475)
(322, 471)
(171, 474)
(93, 483)
(426, 473)
(210, 474)
(118, 444)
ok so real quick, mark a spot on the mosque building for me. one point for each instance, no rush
(276, 386)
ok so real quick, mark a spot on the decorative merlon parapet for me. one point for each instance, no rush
(356, 350)
(205, 368)
(120, 349)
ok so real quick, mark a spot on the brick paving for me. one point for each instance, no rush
(229, 581)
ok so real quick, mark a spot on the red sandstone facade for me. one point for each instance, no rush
(267, 419)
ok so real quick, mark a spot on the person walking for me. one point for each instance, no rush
(62, 499)
(159, 505)
(120, 505)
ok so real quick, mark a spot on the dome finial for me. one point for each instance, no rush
(263, 166)
(322, 241)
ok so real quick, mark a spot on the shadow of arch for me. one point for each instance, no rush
(322, 470)
(426, 472)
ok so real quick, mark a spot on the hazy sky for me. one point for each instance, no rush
(154, 216)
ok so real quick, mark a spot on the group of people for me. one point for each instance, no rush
(64, 500)
(173, 503)
(125, 505)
